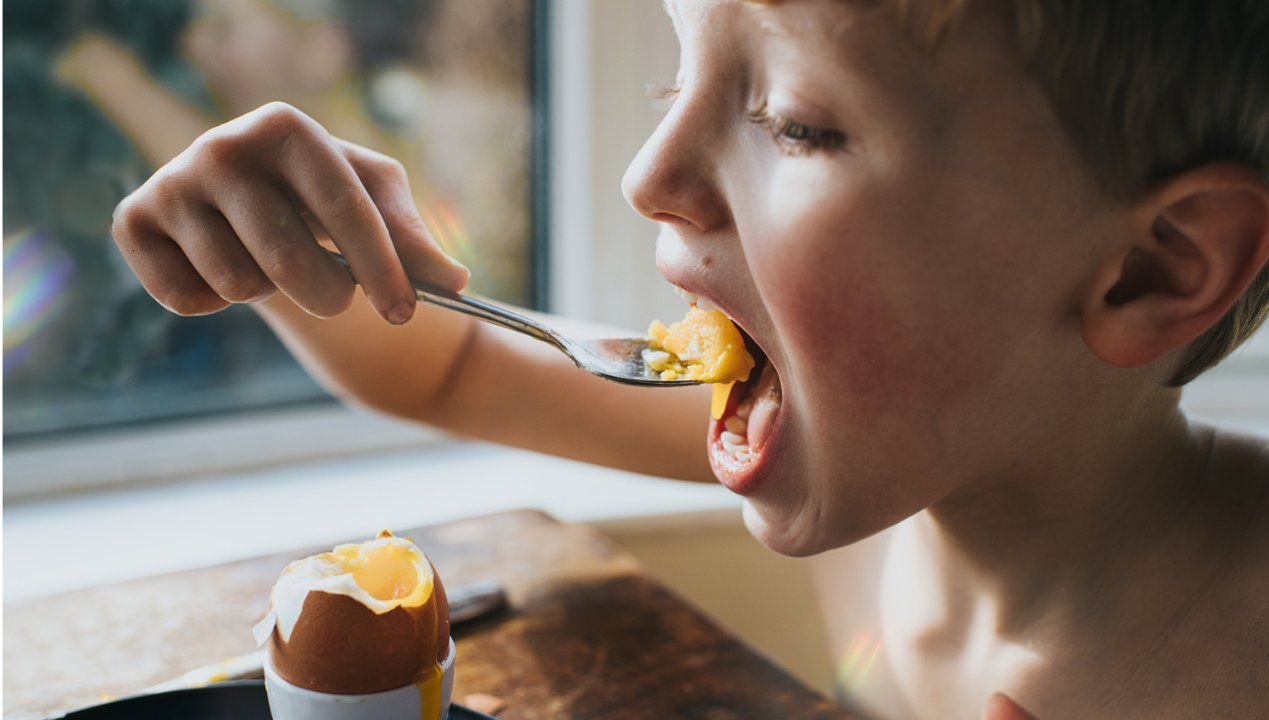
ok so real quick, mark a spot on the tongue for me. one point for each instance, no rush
(766, 403)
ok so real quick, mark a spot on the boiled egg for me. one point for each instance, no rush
(362, 618)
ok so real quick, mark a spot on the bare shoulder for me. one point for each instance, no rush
(1238, 475)
(1237, 520)
(1220, 648)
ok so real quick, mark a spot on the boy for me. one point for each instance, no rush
(979, 245)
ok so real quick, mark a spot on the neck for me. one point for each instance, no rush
(1075, 519)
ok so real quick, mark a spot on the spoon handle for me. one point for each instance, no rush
(475, 307)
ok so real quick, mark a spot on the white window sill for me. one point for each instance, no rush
(214, 519)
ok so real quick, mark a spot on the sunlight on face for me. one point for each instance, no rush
(875, 216)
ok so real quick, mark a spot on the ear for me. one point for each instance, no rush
(1194, 245)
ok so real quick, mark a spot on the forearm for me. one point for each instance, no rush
(358, 357)
(517, 391)
(449, 371)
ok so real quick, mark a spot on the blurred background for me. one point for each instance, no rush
(103, 92)
(515, 119)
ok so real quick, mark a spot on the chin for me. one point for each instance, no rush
(781, 531)
(804, 530)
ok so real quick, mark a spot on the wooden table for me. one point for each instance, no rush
(588, 634)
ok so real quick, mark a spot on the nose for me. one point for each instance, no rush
(674, 177)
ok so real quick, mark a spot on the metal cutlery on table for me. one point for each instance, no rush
(619, 359)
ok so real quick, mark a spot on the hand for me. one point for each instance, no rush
(233, 219)
(1000, 707)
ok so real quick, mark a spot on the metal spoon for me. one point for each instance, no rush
(619, 359)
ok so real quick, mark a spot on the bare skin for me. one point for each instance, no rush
(958, 328)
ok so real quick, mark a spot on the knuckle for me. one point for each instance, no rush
(220, 148)
(238, 287)
(334, 303)
(382, 276)
(410, 220)
(390, 168)
(168, 190)
(282, 127)
(347, 205)
(280, 114)
(126, 220)
(188, 302)
(285, 267)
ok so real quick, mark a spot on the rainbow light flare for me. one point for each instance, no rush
(36, 271)
(858, 661)
(447, 229)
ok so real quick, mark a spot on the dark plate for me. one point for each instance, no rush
(236, 700)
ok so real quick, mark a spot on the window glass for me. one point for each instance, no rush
(99, 93)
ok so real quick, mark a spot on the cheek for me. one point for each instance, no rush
(890, 324)
(850, 308)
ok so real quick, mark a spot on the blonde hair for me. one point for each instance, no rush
(1146, 90)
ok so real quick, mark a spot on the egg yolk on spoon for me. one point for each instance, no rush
(705, 346)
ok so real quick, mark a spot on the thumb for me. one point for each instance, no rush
(1000, 707)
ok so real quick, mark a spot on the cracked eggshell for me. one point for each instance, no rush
(340, 646)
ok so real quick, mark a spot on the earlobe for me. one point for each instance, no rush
(1194, 246)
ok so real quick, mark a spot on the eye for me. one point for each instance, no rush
(662, 94)
(794, 137)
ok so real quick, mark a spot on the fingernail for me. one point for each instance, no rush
(464, 274)
(400, 313)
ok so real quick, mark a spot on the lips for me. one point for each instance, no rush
(745, 441)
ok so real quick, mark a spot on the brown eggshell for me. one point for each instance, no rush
(442, 614)
(340, 646)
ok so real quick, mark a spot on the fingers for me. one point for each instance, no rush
(386, 181)
(1000, 707)
(321, 178)
(228, 221)
(217, 254)
(271, 232)
(161, 266)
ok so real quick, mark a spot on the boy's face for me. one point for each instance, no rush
(905, 234)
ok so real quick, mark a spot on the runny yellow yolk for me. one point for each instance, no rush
(393, 572)
(706, 346)
(386, 572)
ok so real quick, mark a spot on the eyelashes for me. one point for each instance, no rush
(793, 137)
(662, 94)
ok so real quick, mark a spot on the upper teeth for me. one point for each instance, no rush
(688, 297)
(694, 300)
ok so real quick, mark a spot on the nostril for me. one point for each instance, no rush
(670, 218)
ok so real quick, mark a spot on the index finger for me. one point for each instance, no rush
(386, 181)
(327, 185)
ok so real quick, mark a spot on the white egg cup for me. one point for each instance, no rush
(291, 702)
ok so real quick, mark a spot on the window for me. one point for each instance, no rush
(101, 92)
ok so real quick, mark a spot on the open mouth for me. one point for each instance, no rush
(741, 441)
(744, 438)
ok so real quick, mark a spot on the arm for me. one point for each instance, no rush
(450, 371)
(236, 217)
